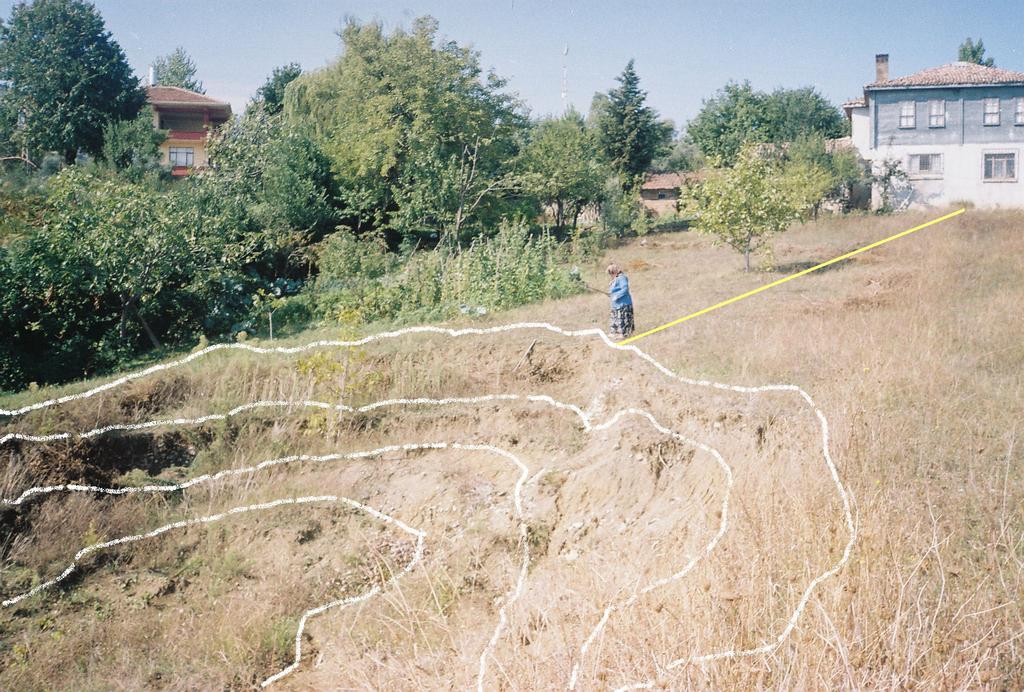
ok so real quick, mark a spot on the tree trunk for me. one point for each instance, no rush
(746, 259)
(70, 155)
(123, 324)
(149, 332)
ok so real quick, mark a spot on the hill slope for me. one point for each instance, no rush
(910, 351)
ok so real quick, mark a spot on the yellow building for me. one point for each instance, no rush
(188, 117)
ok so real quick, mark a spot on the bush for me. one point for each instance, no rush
(510, 269)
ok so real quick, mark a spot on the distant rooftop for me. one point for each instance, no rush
(953, 74)
(664, 181)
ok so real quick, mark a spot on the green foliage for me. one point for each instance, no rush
(67, 76)
(562, 167)
(177, 69)
(512, 268)
(621, 209)
(974, 52)
(732, 117)
(132, 147)
(806, 184)
(745, 205)
(888, 176)
(271, 94)
(114, 267)
(683, 156)
(274, 181)
(738, 114)
(630, 133)
(813, 173)
(794, 113)
(417, 136)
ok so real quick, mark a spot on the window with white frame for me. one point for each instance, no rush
(907, 113)
(991, 112)
(936, 114)
(182, 156)
(925, 165)
(1018, 116)
(1000, 167)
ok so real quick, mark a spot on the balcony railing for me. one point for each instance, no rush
(194, 135)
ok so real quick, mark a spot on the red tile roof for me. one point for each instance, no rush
(176, 96)
(664, 181)
(953, 74)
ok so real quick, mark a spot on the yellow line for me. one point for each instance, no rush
(793, 276)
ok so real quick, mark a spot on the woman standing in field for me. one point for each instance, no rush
(622, 303)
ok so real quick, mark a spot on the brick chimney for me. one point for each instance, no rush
(882, 67)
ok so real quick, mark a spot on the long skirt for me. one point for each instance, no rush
(622, 322)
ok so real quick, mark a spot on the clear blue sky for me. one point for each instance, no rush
(684, 50)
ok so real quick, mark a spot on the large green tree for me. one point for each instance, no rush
(561, 166)
(974, 52)
(794, 113)
(631, 134)
(738, 114)
(419, 137)
(177, 69)
(67, 77)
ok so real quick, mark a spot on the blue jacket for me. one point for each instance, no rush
(619, 291)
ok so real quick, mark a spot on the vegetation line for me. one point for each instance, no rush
(783, 280)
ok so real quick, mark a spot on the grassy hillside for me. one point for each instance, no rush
(913, 351)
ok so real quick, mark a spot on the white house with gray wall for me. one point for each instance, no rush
(956, 131)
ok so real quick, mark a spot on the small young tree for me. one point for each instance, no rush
(179, 70)
(889, 177)
(744, 206)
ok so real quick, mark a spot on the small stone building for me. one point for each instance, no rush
(660, 192)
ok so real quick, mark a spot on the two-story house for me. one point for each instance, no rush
(188, 118)
(957, 132)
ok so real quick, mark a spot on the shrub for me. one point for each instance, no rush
(510, 269)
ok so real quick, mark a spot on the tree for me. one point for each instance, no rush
(815, 173)
(132, 147)
(683, 156)
(177, 69)
(630, 133)
(745, 205)
(738, 114)
(274, 182)
(271, 94)
(974, 52)
(67, 77)
(735, 115)
(562, 167)
(419, 138)
(792, 113)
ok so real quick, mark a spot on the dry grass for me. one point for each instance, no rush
(914, 352)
